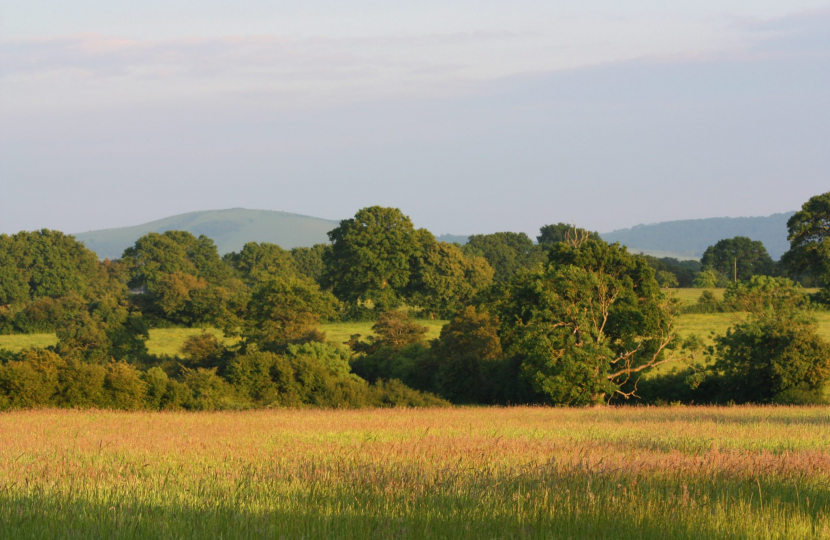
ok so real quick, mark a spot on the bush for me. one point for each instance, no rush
(773, 357)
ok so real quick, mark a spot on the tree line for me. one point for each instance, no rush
(569, 319)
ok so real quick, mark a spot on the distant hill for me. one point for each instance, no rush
(453, 238)
(230, 229)
(690, 237)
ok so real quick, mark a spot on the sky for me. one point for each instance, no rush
(471, 116)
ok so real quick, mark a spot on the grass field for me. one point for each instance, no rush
(462, 473)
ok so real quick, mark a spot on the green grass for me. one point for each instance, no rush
(460, 473)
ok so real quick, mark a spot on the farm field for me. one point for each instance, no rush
(740, 472)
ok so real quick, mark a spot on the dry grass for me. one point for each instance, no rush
(457, 473)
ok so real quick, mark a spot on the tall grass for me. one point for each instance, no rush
(458, 473)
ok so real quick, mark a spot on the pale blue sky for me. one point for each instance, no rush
(471, 116)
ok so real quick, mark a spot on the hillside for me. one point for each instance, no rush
(691, 237)
(230, 229)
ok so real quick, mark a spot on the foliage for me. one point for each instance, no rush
(393, 329)
(708, 278)
(773, 357)
(766, 294)
(371, 255)
(180, 278)
(444, 279)
(560, 232)
(666, 279)
(468, 357)
(309, 261)
(256, 263)
(684, 272)
(507, 253)
(286, 310)
(48, 264)
(809, 236)
(739, 258)
(584, 326)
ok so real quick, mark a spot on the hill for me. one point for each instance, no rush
(690, 237)
(230, 229)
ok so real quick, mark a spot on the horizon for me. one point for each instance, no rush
(446, 233)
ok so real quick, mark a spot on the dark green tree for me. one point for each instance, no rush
(560, 232)
(371, 255)
(809, 236)
(739, 258)
(507, 253)
(309, 261)
(469, 358)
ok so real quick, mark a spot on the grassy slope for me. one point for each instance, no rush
(230, 229)
(461, 473)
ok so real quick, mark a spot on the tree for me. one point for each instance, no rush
(766, 294)
(666, 279)
(469, 355)
(809, 236)
(181, 278)
(585, 327)
(507, 252)
(371, 255)
(48, 264)
(309, 261)
(560, 232)
(444, 279)
(284, 311)
(256, 263)
(739, 258)
(773, 357)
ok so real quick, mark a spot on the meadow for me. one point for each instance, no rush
(524, 472)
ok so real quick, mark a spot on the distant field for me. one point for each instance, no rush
(461, 473)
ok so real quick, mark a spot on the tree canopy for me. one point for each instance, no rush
(371, 255)
(507, 252)
(809, 236)
(586, 325)
(739, 258)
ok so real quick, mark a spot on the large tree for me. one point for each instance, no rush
(371, 255)
(809, 236)
(507, 252)
(583, 328)
(181, 277)
(48, 264)
(739, 258)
